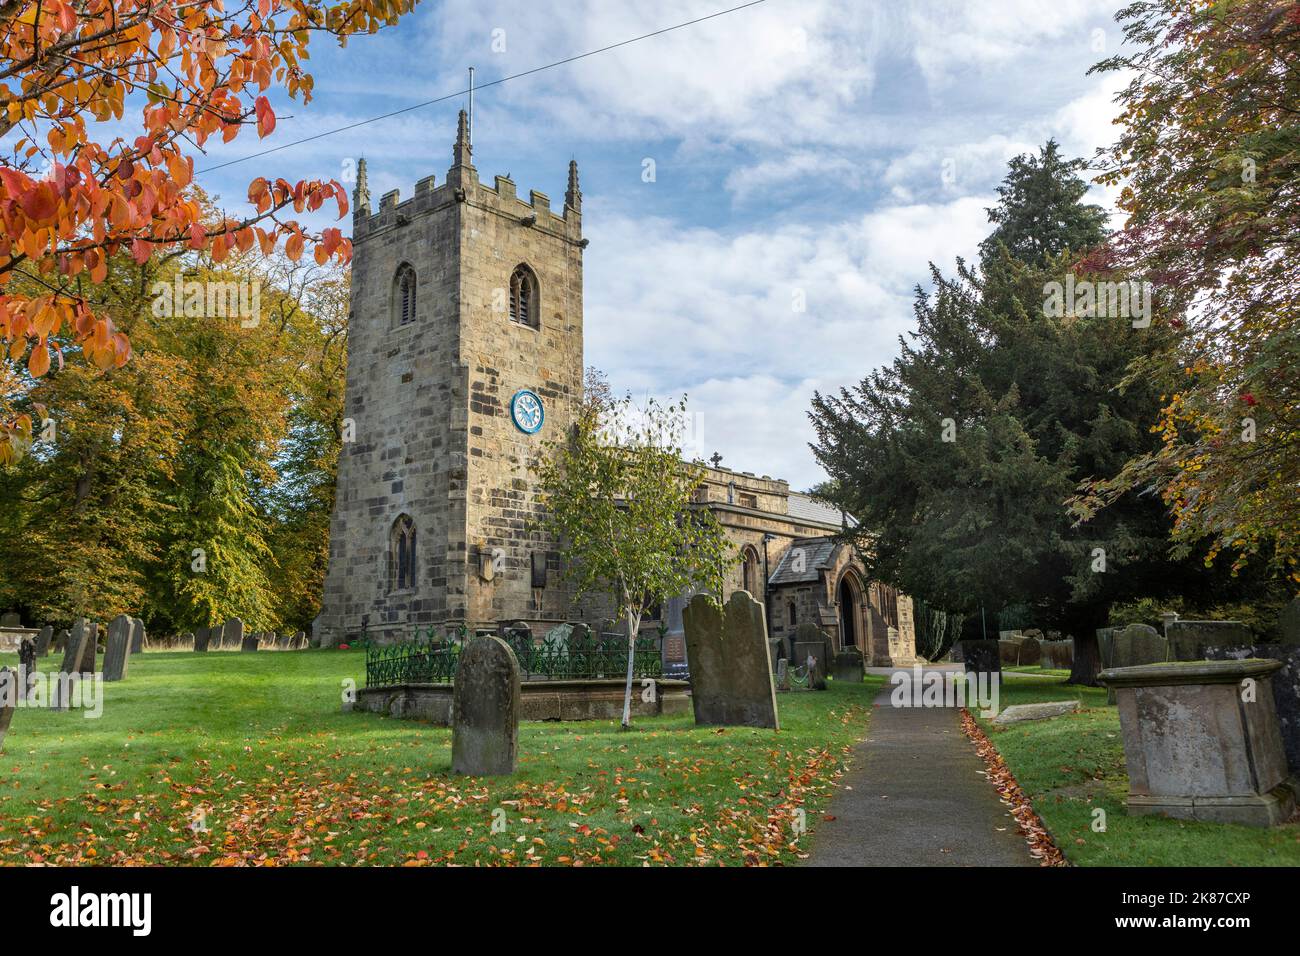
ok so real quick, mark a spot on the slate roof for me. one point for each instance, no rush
(803, 508)
(817, 554)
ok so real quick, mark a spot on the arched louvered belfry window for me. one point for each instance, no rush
(402, 554)
(525, 307)
(749, 573)
(404, 295)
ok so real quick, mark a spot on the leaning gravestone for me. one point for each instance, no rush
(485, 709)
(117, 649)
(137, 635)
(731, 672)
(43, 640)
(8, 700)
(201, 638)
(1135, 645)
(87, 663)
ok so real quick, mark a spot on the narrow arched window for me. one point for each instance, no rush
(749, 572)
(402, 554)
(792, 613)
(404, 295)
(524, 295)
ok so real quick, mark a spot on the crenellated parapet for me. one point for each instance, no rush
(462, 186)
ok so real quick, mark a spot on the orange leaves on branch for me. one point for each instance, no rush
(69, 201)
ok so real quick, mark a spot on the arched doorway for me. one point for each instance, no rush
(848, 602)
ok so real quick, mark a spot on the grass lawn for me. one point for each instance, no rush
(1072, 764)
(1035, 669)
(255, 745)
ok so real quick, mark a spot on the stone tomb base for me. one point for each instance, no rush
(1195, 749)
(539, 700)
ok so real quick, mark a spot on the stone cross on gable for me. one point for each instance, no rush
(716, 459)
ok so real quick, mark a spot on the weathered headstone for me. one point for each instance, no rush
(88, 653)
(43, 641)
(1193, 640)
(74, 651)
(201, 638)
(485, 709)
(27, 666)
(1019, 713)
(117, 649)
(299, 641)
(8, 700)
(782, 675)
(250, 641)
(1201, 741)
(1286, 690)
(61, 641)
(232, 633)
(731, 673)
(1134, 645)
(1288, 625)
(137, 635)
(1057, 655)
(1031, 652)
(11, 619)
(848, 666)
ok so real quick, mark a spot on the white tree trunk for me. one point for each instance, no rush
(633, 624)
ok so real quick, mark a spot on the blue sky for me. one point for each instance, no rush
(818, 151)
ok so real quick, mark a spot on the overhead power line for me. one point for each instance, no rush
(482, 86)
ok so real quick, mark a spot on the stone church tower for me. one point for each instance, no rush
(465, 355)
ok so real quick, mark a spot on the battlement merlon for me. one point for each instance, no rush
(463, 186)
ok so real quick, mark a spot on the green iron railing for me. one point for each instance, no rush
(433, 660)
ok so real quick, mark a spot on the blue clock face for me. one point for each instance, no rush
(527, 412)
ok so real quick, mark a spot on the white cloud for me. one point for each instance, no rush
(671, 310)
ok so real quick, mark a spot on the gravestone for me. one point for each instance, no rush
(117, 649)
(232, 633)
(1057, 655)
(1009, 652)
(201, 638)
(782, 675)
(43, 641)
(811, 655)
(72, 655)
(11, 619)
(731, 671)
(1199, 748)
(1192, 640)
(848, 666)
(1286, 690)
(27, 665)
(137, 636)
(485, 709)
(8, 700)
(87, 664)
(1134, 645)
(61, 641)
(1031, 651)
(1288, 625)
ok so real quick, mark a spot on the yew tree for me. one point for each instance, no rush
(75, 189)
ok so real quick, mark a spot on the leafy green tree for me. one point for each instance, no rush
(1207, 155)
(617, 493)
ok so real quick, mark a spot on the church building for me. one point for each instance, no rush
(465, 353)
